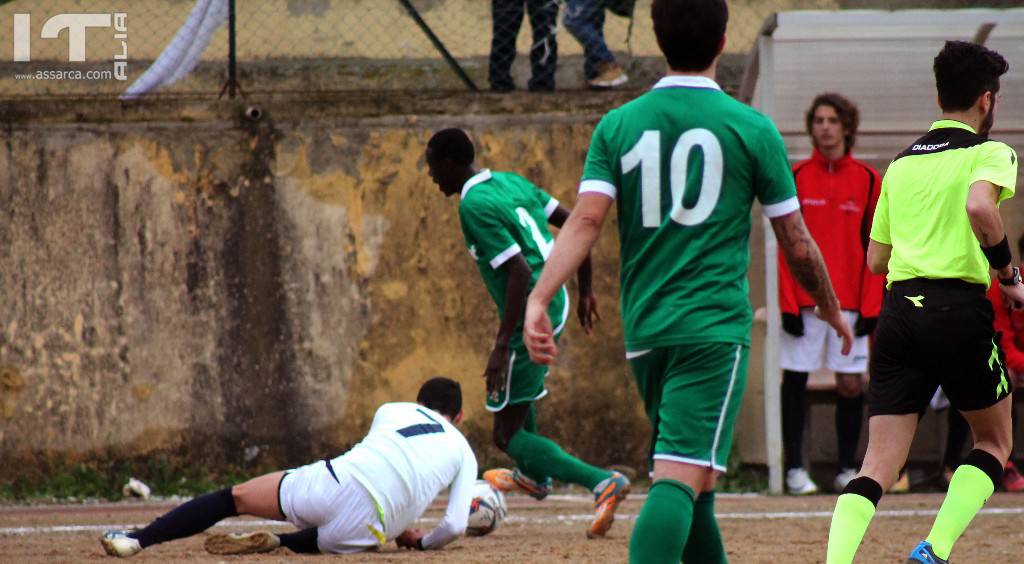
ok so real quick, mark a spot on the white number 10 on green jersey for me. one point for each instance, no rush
(647, 155)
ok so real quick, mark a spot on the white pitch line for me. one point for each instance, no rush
(567, 519)
(116, 527)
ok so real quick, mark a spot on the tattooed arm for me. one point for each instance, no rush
(808, 268)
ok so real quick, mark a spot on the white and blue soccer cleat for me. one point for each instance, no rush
(923, 554)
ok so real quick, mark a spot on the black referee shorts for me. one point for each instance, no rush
(935, 333)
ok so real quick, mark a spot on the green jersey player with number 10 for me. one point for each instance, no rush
(683, 164)
(504, 220)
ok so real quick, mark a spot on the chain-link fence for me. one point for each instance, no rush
(347, 45)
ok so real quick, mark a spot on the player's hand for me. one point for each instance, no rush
(835, 318)
(497, 370)
(586, 310)
(410, 538)
(537, 333)
(1014, 295)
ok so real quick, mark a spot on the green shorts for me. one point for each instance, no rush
(525, 380)
(692, 394)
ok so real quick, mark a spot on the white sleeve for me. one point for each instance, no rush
(456, 515)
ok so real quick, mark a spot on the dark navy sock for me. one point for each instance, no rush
(302, 542)
(188, 518)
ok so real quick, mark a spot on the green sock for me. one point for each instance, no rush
(969, 489)
(849, 523)
(540, 457)
(663, 524)
(704, 545)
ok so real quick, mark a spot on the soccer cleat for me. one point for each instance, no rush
(505, 481)
(607, 496)
(923, 554)
(241, 543)
(902, 485)
(118, 543)
(843, 477)
(799, 483)
(1012, 479)
(609, 75)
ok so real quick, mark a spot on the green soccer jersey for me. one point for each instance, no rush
(503, 214)
(921, 209)
(684, 163)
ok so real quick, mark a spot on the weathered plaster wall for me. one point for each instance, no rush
(237, 291)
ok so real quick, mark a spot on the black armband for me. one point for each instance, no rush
(998, 255)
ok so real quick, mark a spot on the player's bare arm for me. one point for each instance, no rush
(518, 272)
(878, 257)
(577, 237)
(805, 262)
(586, 305)
(987, 224)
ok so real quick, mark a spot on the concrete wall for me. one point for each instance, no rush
(180, 280)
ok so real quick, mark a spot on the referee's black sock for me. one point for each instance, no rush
(189, 518)
(302, 542)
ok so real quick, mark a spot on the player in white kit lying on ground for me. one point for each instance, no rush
(358, 501)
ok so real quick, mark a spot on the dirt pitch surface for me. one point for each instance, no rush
(756, 529)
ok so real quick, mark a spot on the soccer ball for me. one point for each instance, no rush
(486, 511)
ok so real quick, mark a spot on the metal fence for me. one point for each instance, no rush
(347, 45)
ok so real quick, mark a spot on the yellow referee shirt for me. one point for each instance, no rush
(921, 210)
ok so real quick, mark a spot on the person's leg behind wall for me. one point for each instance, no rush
(544, 50)
(849, 370)
(506, 18)
(585, 21)
(799, 354)
(848, 420)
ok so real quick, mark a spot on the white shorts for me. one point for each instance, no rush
(343, 512)
(820, 347)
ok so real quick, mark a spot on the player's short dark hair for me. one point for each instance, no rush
(452, 144)
(689, 31)
(847, 111)
(964, 71)
(441, 394)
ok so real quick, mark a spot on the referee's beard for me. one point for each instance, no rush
(989, 120)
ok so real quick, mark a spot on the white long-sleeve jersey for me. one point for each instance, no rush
(409, 456)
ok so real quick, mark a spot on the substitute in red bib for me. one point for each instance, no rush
(837, 196)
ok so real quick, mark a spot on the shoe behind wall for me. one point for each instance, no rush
(609, 75)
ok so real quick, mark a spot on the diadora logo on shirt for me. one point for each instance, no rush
(472, 252)
(813, 202)
(929, 147)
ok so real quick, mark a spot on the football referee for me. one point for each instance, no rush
(936, 233)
